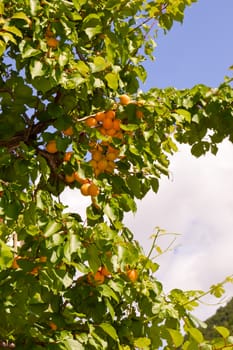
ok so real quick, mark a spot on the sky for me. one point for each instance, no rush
(196, 202)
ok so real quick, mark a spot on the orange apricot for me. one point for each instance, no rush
(52, 42)
(93, 163)
(99, 277)
(111, 132)
(103, 131)
(67, 156)
(111, 155)
(43, 259)
(139, 114)
(69, 178)
(97, 172)
(79, 179)
(100, 116)
(124, 100)
(53, 326)
(69, 131)
(104, 271)
(102, 164)
(85, 189)
(132, 275)
(93, 190)
(117, 124)
(51, 147)
(15, 265)
(91, 122)
(97, 155)
(110, 114)
(35, 271)
(107, 123)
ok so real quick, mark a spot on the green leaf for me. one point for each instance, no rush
(27, 50)
(2, 47)
(142, 343)
(6, 255)
(134, 185)
(108, 292)
(13, 30)
(154, 184)
(93, 257)
(37, 68)
(184, 113)
(110, 212)
(177, 337)
(99, 64)
(20, 15)
(223, 331)
(196, 334)
(51, 228)
(112, 80)
(1, 8)
(71, 344)
(110, 330)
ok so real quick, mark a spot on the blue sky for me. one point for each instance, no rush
(196, 202)
(198, 51)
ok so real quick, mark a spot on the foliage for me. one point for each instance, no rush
(222, 317)
(72, 115)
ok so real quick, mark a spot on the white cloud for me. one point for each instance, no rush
(197, 203)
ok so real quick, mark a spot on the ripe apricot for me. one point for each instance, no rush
(111, 156)
(103, 131)
(117, 124)
(93, 163)
(97, 155)
(111, 166)
(139, 114)
(15, 265)
(70, 178)
(97, 172)
(102, 164)
(79, 178)
(49, 33)
(91, 122)
(100, 116)
(52, 42)
(53, 326)
(111, 132)
(85, 189)
(99, 277)
(93, 190)
(104, 271)
(119, 135)
(67, 156)
(35, 270)
(43, 259)
(69, 131)
(108, 123)
(110, 114)
(124, 100)
(51, 147)
(132, 275)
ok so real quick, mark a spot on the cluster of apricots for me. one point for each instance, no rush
(103, 157)
(103, 154)
(107, 123)
(98, 277)
(52, 42)
(102, 273)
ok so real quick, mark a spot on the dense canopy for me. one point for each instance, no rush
(72, 115)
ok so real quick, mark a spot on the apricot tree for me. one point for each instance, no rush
(72, 115)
